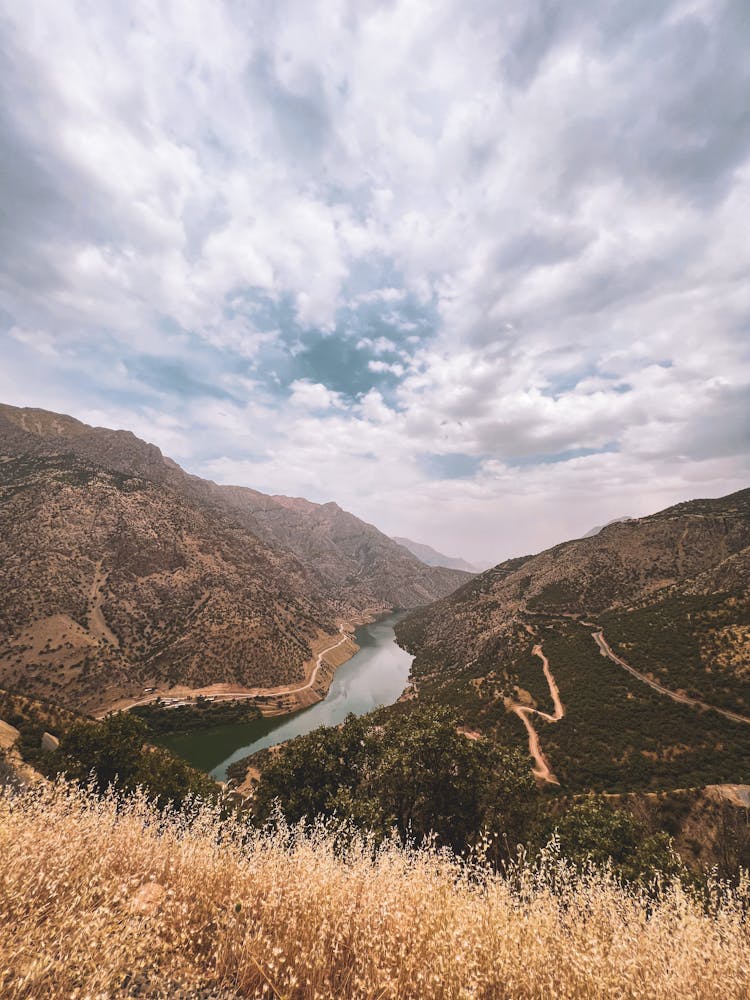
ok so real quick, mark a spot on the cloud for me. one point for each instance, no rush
(478, 273)
(313, 396)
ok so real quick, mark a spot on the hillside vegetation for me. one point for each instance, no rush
(106, 898)
(671, 595)
(111, 584)
(121, 574)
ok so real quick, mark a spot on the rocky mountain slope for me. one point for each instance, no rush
(670, 594)
(113, 583)
(432, 557)
(355, 564)
(120, 572)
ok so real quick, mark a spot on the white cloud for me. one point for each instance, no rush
(565, 198)
(314, 396)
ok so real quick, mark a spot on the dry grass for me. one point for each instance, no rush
(232, 914)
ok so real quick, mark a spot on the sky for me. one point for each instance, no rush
(477, 271)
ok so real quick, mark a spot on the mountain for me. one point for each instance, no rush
(669, 595)
(119, 571)
(358, 565)
(431, 557)
(600, 527)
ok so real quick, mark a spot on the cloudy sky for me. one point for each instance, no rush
(478, 271)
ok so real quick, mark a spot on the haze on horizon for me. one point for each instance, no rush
(476, 272)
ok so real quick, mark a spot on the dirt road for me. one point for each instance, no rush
(542, 771)
(606, 650)
(97, 624)
(319, 661)
(223, 692)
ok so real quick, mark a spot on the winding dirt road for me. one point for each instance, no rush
(542, 771)
(243, 694)
(319, 661)
(606, 650)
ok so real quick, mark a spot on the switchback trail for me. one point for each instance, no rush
(96, 621)
(542, 770)
(606, 650)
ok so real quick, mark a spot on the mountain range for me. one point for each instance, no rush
(620, 660)
(430, 556)
(121, 572)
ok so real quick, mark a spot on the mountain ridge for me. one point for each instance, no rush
(431, 557)
(122, 572)
(670, 594)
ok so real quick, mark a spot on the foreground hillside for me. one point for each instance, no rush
(120, 573)
(101, 899)
(622, 659)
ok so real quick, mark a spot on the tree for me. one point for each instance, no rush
(593, 833)
(307, 774)
(415, 773)
(114, 752)
(110, 749)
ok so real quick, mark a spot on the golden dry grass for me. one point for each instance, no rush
(105, 900)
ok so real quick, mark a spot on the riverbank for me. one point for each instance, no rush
(329, 653)
(375, 675)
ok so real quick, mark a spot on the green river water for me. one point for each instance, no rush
(374, 676)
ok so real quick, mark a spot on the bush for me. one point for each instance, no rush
(414, 773)
(114, 752)
(593, 833)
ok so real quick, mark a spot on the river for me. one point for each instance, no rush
(374, 676)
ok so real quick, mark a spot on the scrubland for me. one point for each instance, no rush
(107, 897)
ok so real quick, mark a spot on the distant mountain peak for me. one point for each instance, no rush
(431, 557)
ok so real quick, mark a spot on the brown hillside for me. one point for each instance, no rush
(357, 567)
(669, 596)
(113, 583)
(120, 572)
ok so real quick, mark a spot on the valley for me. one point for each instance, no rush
(614, 663)
(375, 500)
(375, 675)
(163, 633)
(127, 579)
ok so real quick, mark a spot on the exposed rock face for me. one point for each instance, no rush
(357, 560)
(119, 571)
(8, 735)
(49, 743)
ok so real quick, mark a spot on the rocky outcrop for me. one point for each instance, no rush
(49, 743)
(8, 735)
